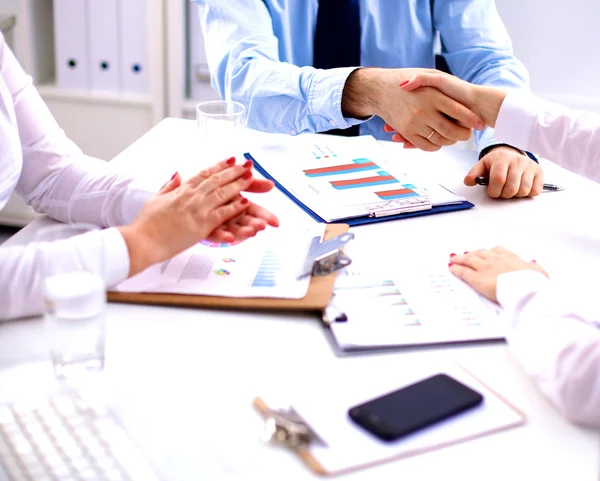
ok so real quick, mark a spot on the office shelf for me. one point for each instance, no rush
(102, 124)
(178, 54)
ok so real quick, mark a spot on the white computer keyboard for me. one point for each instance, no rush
(64, 438)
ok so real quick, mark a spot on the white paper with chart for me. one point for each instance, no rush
(264, 266)
(411, 306)
(342, 178)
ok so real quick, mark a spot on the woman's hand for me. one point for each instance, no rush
(480, 269)
(208, 205)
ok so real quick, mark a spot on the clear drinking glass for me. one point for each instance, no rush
(75, 304)
(221, 124)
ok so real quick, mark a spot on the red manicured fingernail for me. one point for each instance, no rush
(466, 252)
(230, 161)
(247, 175)
(248, 164)
(452, 255)
(450, 264)
(403, 83)
(534, 261)
(174, 175)
(244, 201)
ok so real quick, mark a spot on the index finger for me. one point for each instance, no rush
(204, 174)
(498, 176)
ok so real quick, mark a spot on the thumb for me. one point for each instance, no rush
(172, 184)
(478, 170)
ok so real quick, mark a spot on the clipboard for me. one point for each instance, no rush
(317, 297)
(288, 429)
(367, 219)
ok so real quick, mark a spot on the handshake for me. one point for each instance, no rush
(429, 109)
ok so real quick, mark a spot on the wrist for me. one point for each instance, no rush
(361, 97)
(488, 101)
(141, 253)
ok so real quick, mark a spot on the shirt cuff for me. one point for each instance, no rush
(325, 100)
(116, 257)
(133, 201)
(513, 287)
(516, 119)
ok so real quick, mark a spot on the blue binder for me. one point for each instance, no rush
(358, 220)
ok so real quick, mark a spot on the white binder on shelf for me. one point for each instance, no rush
(71, 44)
(133, 46)
(198, 71)
(104, 44)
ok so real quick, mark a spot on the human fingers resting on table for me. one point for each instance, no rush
(186, 212)
(480, 269)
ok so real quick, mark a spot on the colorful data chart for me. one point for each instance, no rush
(323, 152)
(381, 178)
(267, 271)
(358, 165)
(217, 244)
(408, 190)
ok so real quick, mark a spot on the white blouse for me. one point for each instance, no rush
(52, 174)
(557, 342)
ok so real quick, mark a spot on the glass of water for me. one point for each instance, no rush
(75, 304)
(221, 124)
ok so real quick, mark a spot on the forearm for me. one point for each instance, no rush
(81, 189)
(556, 342)
(101, 252)
(362, 97)
(487, 103)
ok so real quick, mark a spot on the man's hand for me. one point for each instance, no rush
(426, 118)
(480, 269)
(511, 174)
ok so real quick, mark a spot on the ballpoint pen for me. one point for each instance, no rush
(547, 187)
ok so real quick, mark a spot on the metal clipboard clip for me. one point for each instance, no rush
(285, 427)
(326, 257)
(402, 207)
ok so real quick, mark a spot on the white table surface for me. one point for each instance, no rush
(184, 378)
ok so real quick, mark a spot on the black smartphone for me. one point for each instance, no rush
(414, 407)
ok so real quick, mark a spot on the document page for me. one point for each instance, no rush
(341, 178)
(411, 307)
(264, 266)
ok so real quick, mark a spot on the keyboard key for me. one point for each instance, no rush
(65, 440)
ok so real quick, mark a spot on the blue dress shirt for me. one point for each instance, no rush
(260, 53)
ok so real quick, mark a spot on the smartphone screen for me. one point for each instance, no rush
(414, 407)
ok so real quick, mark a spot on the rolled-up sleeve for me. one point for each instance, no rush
(245, 66)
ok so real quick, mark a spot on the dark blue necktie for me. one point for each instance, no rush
(337, 40)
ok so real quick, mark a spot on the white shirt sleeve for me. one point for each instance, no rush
(556, 341)
(103, 252)
(57, 178)
(567, 137)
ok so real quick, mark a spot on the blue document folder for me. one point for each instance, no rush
(355, 221)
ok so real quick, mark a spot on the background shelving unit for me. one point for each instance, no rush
(179, 51)
(102, 124)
